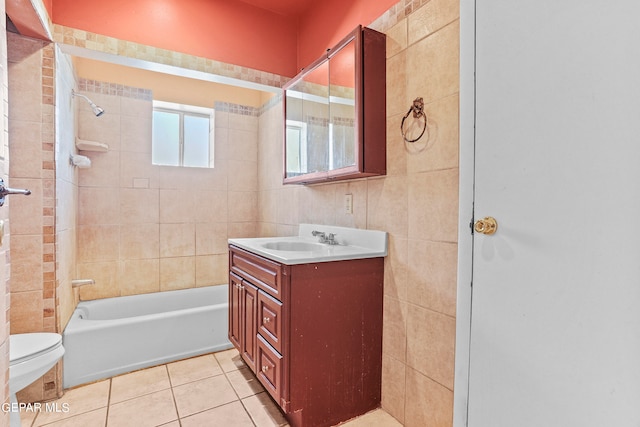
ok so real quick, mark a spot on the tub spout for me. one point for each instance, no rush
(81, 282)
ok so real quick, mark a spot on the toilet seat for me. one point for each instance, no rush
(23, 347)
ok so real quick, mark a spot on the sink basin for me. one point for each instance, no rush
(292, 246)
(305, 248)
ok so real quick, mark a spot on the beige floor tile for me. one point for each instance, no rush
(244, 382)
(96, 418)
(230, 360)
(79, 400)
(232, 415)
(139, 383)
(150, 410)
(204, 394)
(171, 424)
(376, 418)
(197, 368)
(263, 411)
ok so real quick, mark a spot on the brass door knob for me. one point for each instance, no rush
(488, 225)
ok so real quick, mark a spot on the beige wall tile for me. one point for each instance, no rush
(431, 344)
(103, 172)
(29, 317)
(243, 206)
(104, 129)
(26, 262)
(388, 205)
(397, 85)
(430, 404)
(177, 273)
(397, 148)
(245, 175)
(98, 243)
(177, 240)
(139, 241)
(396, 280)
(433, 205)
(107, 278)
(394, 334)
(211, 238)
(136, 132)
(438, 148)
(393, 387)
(98, 206)
(432, 275)
(136, 166)
(26, 216)
(211, 206)
(139, 206)
(26, 153)
(432, 17)
(397, 38)
(438, 57)
(140, 277)
(177, 207)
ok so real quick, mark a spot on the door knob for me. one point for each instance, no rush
(488, 225)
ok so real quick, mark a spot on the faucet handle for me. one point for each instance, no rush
(5, 191)
(331, 239)
(321, 235)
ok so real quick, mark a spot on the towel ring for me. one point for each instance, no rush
(418, 111)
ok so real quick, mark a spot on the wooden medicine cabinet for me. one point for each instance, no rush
(335, 113)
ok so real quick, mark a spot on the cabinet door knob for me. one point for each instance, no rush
(265, 368)
(266, 319)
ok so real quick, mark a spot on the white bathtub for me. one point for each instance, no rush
(112, 336)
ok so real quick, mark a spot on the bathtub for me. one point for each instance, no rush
(112, 336)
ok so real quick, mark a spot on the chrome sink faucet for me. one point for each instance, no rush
(324, 238)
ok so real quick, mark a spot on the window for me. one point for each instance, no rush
(182, 135)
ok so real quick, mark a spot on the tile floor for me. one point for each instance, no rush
(209, 391)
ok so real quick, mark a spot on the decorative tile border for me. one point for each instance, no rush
(106, 88)
(396, 13)
(101, 43)
(243, 110)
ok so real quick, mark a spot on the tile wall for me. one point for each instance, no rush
(416, 203)
(4, 216)
(32, 219)
(145, 228)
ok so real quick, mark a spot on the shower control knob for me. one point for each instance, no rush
(5, 191)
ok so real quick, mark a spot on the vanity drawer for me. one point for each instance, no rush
(270, 320)
(264, 273)
(269, 369)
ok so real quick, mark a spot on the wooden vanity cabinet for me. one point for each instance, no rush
(317, 330)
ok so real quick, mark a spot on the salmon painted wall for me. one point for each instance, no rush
(329, 21)
(228, 31)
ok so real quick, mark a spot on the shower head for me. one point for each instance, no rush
(98, 111)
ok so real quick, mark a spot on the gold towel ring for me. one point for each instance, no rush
(418, 111)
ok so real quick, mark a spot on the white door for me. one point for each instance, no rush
(555, 314)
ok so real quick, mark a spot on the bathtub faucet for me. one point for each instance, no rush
(81, 282)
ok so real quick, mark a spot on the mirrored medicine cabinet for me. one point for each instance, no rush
(335, 118)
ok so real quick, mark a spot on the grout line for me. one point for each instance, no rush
(106, 418)
(175, 403)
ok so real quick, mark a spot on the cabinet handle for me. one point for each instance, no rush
(265, 368)
(266, 319)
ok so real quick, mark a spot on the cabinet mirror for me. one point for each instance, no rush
(335, 113)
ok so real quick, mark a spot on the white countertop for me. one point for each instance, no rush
(353, 244)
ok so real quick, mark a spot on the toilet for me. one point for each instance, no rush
(30, 357)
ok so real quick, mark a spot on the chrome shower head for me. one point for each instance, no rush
(98, 111)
